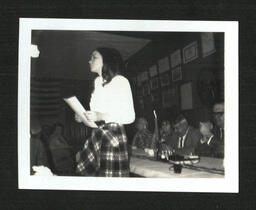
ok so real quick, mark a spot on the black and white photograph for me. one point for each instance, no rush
(86, 117)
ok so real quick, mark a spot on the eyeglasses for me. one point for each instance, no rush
(218, 113)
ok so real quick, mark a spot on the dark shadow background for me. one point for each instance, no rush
(12, 198)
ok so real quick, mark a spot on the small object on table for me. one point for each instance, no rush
(177, 168)
(151, 152)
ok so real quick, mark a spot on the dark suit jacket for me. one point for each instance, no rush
(190, 143)
(218, 142)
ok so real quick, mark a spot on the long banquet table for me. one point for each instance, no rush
(142, 165)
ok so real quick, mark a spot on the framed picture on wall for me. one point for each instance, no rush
(176, 74)
(141, 103)
(186, 95)
(169, 97)
(146, 89)
(155, 96)
(164, 80)
(153, 71)
(176, 58)
(190, 52)
(154, 83)
(208, 45)
(143, 76)
(138, 80)
(163, 64)
(134, 81)
(140, 92)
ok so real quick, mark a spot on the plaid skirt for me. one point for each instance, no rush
(105, 153)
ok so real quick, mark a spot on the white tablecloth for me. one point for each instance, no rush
(157, 169)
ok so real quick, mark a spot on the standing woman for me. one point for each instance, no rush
(105, 153)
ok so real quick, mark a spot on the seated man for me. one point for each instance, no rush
(38, 155)
(218, 129)
(143, 138)
(61, 152)
(207, 144)
(188, 137)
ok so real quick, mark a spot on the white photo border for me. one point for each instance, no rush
(230, 183)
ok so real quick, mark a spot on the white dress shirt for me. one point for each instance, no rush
(114, 99)
(182, 140)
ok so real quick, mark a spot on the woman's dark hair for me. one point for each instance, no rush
(112, 63)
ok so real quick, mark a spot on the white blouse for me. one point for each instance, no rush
(114, 99)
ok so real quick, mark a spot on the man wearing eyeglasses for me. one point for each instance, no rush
(218, 117)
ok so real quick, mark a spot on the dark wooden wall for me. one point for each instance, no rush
(191, 71)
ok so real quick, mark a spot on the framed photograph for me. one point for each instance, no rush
(208, 44)
(74, 40)
(155, 96)
(176, 74)
(144, 76)
(190, 52)
(139, 82)
(153, 71)
(169, 97)
(140, 92)
(134, 81)
(146, 89)
(186, 95)
(163, 64)
(164, 80)
(141, 103)
(154, 84)
(176, 58)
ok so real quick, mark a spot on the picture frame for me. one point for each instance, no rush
(163, 64)
(139, 82)
(146, 89)
(143, 76)
(176, 58)
(141, 103)
(134, 81)
(140, 92)
(155, 96)
(208, 44)
(176, 74)
(153, 71)
(169, 97)
(154, 83)
(190, 52)
(164, 80)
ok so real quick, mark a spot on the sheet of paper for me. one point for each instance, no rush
(77, 107)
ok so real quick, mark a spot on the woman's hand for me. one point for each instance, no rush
(94, 116)
(78, 118)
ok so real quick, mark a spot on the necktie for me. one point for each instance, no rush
(180, 142)
(221, 134)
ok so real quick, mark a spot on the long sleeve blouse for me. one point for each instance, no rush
(114, 99)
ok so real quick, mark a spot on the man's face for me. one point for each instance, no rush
(140, 125)
(218, 115)
(219, 119)
(180, 129)
(166, 126)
